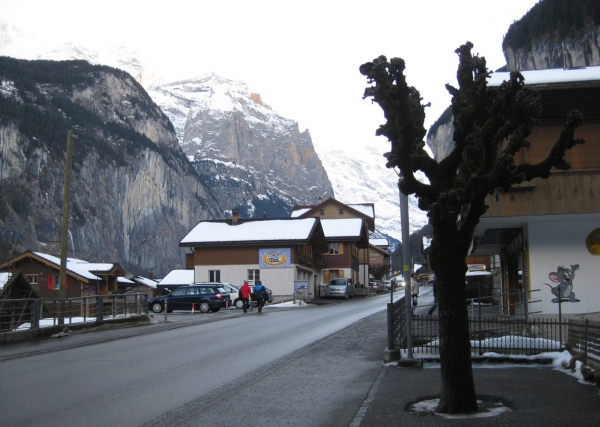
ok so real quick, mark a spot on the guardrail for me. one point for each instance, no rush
(35, 313)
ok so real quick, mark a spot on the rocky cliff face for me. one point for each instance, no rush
(440, 137)
(249, 157)
(133, 192)
(547, 53)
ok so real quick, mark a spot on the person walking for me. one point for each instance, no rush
(244, 294)
(261, 295)
(414, 289)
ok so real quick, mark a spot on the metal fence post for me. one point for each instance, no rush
(99, 309)
(390, 323)
(585, 340)
(35, 323)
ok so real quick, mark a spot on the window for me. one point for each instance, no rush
(253, 275)
(54, 282)
(322, 211)
(32, 279)
(336, 249)
(341, 211)
(214, 275)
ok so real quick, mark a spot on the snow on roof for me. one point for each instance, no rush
(145, 281)
(557, 75)
(79, 267)
(125, 280)
(348, 227)
(364, 209)
(251, 231)
(299, 212)
(178, 277)
(379, 242)
(4, 278)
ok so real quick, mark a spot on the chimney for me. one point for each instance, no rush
(235, 216)
(320, 200)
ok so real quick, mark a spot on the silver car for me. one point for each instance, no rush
(340, 288)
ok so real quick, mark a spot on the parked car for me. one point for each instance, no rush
(340, 288)
(204, 297)
(387, 285)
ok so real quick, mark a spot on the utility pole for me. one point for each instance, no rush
(409, 362)
(62, 290)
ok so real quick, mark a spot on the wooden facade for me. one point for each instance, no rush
(43, 276)
(345, 254)
(541, 224)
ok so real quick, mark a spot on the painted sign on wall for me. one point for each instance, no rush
(563, 277)
(273, 258)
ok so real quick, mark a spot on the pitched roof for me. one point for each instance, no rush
(288, 229)
(151, 283)
(88, 270)
(384, 243)
(554, 76)
(367, 210)
(178, 277)
(346, 227)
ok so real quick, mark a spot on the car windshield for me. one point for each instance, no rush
(221, 290)
(337, 282)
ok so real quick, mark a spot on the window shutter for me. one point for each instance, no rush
(341, 249)
(341, 273)
(50, 282)
(326, 276)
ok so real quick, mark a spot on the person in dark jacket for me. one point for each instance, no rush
(261, 295)
(245, 292)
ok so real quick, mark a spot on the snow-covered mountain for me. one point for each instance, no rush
(355, 177)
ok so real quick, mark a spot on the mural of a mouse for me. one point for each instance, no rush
(564, 290)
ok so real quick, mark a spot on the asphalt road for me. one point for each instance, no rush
(298, 367)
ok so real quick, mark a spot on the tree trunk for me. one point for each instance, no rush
(448, 252)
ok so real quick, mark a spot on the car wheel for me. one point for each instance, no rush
(346, 296)
(214, 310)
(239, 304)
(157, 307)
(204, 307)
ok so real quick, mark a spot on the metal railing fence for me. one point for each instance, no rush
(507, 336)
(490, 331)
(584, 337)
(34, 313)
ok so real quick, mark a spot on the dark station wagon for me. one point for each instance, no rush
(204, 298)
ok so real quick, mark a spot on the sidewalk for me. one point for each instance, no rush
(540, 396)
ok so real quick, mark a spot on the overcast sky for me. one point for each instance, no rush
(301, 56)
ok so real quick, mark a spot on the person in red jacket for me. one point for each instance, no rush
(245, 292)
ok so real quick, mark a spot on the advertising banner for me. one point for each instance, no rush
(274, 258)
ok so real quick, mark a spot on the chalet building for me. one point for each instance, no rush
(278, 252)
(42, 272)
(346, 229)
(376, 255)
(546, 233)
